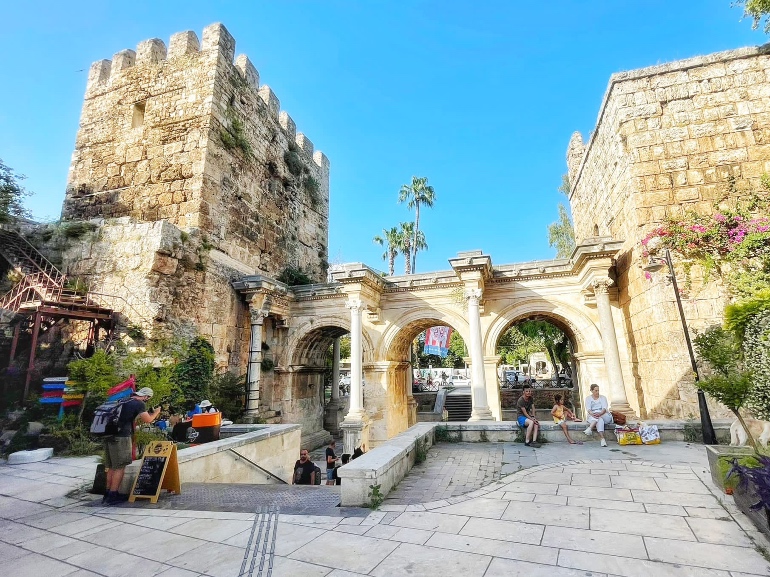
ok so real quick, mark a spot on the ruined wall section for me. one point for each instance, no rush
(666, 140)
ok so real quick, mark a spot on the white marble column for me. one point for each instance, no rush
(480, 410)
(355, 427)
(254, 370)
(618, 400)
(336, 370)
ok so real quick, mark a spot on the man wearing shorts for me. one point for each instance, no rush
(331, 462)
(118, 452)
(526, 419)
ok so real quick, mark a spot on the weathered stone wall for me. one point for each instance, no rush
(666, 140)
(199, 180)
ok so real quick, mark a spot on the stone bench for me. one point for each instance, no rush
(507, 431)
(386, 465)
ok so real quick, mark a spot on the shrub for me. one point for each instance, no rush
(228, 393)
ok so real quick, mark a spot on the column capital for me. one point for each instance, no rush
(473, 295)
(258, 315)
(602, 285)
(355, 305)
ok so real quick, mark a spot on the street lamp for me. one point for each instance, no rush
(655, 264)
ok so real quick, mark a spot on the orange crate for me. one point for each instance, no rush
(207, 420)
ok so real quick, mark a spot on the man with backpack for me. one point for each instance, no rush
(118, 452)
(305, 471)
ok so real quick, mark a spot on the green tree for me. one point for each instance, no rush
(194, 374)
(553, 340)
(561, 234)
(515, 347)
(11, 194)
(418, 193)
(457, 350)
(757, 10)
(392, 239)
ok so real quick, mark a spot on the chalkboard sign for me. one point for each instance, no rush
(158, 470)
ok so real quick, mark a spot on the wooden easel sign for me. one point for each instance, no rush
(158, 470)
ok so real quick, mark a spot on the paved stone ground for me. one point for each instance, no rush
(580, 511)
(448, 471)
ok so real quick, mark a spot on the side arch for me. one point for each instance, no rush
(301, 341)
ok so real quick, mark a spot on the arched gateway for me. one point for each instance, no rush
(384, 314)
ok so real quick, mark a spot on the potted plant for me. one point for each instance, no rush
(731, 385)
(752, 492)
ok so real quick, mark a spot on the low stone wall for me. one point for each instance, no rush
(263, 456)
(507, 431)
(384, 465)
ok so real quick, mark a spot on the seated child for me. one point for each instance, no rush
(560, 415)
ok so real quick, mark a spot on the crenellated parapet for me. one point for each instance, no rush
(217, 42)
(184, 130)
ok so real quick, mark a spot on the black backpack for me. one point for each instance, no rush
(107, 418)
(317, 471)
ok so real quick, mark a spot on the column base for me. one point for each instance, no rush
(333, 416)
(481, 414)
(355, 433)
(250, 417)
(626, 409)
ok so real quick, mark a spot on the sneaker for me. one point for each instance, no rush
(535, 445)
(604, 443)
(526, 444)
(588, 431)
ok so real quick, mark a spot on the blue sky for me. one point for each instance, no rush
(481, 97)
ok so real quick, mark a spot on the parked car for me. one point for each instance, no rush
(458, 381)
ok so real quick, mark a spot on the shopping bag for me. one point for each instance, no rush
(628, 436)
(650, 434)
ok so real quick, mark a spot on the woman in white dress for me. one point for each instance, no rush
(597, 413)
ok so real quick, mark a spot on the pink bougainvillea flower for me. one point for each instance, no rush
(647, 275)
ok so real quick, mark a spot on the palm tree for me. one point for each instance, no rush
(411, 241)
(407, 236)
(392, 238)
(416, 194)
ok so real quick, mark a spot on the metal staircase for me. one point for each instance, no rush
(42, 298)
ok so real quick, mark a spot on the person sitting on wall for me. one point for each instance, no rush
(598, 412)
(561, 415)
(358, 452)
(304, 470)
(207, 407)
(526, 418)
(345, 461)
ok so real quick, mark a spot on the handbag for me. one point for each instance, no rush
(618, 418)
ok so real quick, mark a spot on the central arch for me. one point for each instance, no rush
(581, 330)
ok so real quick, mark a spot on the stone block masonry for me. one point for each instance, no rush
(666, 141)
(186, 135)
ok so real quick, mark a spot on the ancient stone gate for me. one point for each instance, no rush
(384, 314)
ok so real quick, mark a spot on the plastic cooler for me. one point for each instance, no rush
(207, 426)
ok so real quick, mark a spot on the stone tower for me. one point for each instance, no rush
(667, 140)
(195, 178)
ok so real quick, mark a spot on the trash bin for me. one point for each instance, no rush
(207, 426)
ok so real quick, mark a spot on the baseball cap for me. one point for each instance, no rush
(144, 392)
